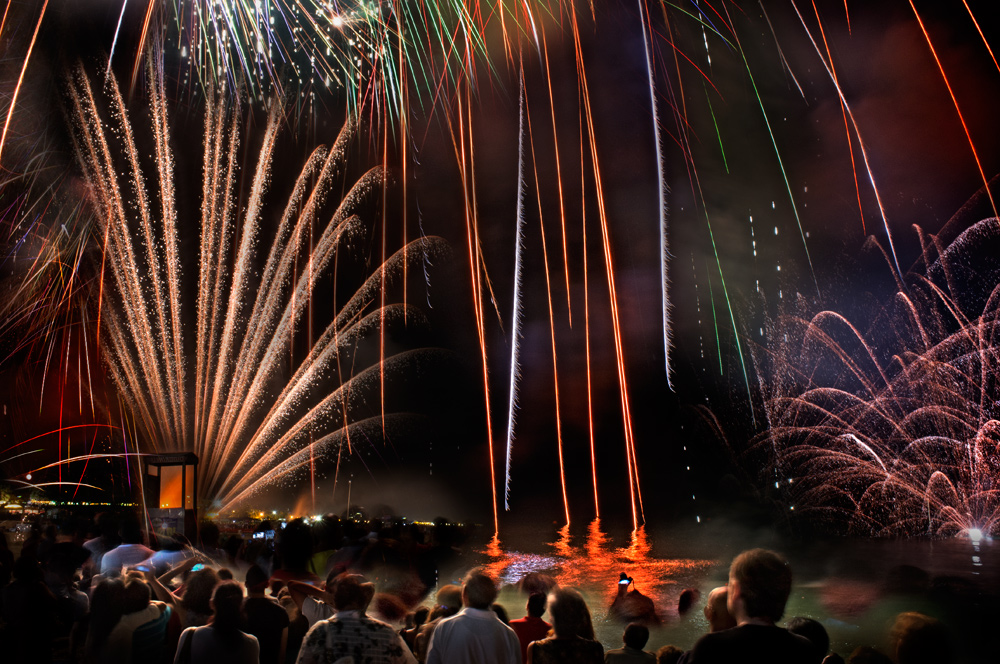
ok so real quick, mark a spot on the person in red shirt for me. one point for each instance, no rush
(531, 627)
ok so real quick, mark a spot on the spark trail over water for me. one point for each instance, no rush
(662, 193)
(592, 564)
(222, 403)
(517, 316)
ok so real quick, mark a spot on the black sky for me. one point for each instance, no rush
(762, 125)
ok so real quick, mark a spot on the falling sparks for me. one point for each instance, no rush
(221, 406)
(900, 440)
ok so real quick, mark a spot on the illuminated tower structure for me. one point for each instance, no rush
(170, 489)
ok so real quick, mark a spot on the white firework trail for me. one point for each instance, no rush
(662, 197)
(517, 316)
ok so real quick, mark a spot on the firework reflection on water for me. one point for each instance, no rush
(592, 566)
(850, 585)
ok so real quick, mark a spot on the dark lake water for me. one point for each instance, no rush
(854, 587)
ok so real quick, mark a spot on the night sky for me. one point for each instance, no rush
(765, 217)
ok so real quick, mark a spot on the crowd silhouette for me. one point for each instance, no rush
(342, 591)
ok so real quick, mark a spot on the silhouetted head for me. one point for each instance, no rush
(107, 525)
(920, 639)
(208, 533)
(536, 605)
(689, 597)
(478, 589)
(256, 579)
(227, 604)
(351, 592)
(294, 545)
(716, 612)
(137, 594)
(759, 584)
(570, 615)
(107, 605)
(814, 631)
(130, 530)
(233, 545)
(636, 635)
(198, 589)
(501, 612)
(668, 655)
(447, 602)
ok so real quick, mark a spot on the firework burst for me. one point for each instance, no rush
(897, 431)
(213, 389)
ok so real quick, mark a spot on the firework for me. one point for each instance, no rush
(367, 51)
(897, 433)
(253, 298)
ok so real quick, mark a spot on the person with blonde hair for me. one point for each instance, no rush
(918, 639)
(716, 610)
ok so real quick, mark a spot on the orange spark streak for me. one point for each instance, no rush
(142, 44)
(86, 463)
(385, 234)
(559, 180)
(586, 322)
(980, 30)
(861, 144)
(24, 68)
(843, 111)
(552, 319)
(5, 12)
(309, 343)
(721, 17)
(609, 270)
(97, 158)
(340, 372)
(404, 131)
(56, 431)
(463, 155)
(954, 101)
(62, 385)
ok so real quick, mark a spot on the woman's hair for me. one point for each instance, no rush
(107, 605)
(198, 591)
(917, 638)
(137, 594)
(570, 615)
(227, 600)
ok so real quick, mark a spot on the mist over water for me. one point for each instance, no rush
(855, 587)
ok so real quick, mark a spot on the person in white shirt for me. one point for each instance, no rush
(127, 554)
(474, 635)
(314, 603)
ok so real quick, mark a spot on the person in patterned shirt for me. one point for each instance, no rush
(351, 635)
